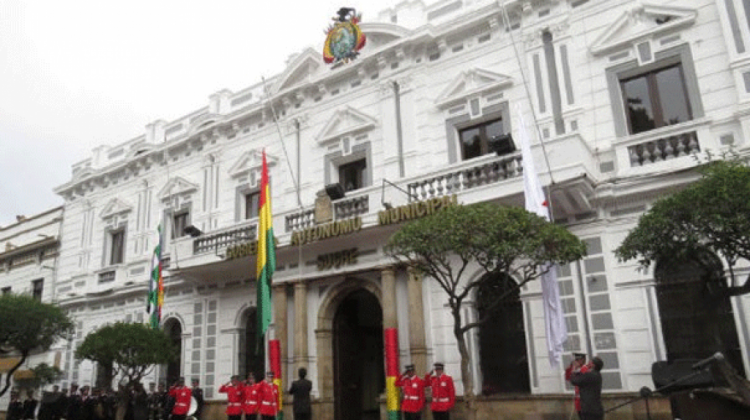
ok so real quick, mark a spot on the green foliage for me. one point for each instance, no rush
(45, 374)
(500, 239)
(29, 325)
(131, 349)
(712, 214)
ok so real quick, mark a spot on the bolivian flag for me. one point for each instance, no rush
(266, 254)
(391, 373)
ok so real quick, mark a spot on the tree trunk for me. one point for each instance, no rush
(9, 374)
(466, 377)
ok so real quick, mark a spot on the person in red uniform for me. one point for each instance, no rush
(250, 403)
(181, 395)
(578, 365)
(413, 394)
(443, 392)
(268, 395)
(235, 395)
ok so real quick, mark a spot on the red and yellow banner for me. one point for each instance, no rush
(274, 361)
(391, 372)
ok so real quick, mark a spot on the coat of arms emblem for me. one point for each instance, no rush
(344, 38)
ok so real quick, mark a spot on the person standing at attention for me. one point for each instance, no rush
(250, 395)
(181, 395)
(590, 384)
(301, 390)
(443, 392)
(235, 391)
(268, 395)
(412, 387)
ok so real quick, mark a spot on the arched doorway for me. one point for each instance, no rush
(174, 330)
(697, 319)
(359, 376)
(252, 356)
(502, 337)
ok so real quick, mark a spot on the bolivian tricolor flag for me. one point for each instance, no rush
(274, 360)
(266, 254)
(391, 373)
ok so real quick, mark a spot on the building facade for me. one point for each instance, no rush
(29, 250)
(617, 96)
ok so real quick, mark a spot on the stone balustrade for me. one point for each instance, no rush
(301, 220)
(665, 148)
(504, 167)
(350, 207)
(215, 241)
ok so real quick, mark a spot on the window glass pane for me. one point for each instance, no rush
(672, 95)
(471, 143)
(494, 129)
(351, 175)
(179, 225)
(638, 105)
(117, 247)
(746, 5)
(251, 205)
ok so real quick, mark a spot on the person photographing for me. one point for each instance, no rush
(578, 364)
(590, 384)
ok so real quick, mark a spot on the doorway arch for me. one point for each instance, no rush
(502, 337)
(354, 304)
(251, 356)
(173, 328)
(697, 320)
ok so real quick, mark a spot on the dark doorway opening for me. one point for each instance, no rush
(174, 331)
(697, 319)
(502, 337)
(359, 376)
(252, 355)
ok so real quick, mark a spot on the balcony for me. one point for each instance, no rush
(343, 208)
(462, 179)
(664, 148)
(216, 241)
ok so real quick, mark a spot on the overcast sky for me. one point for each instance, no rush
(75, 74)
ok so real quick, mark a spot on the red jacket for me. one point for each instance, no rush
(268, 395)
(443, 392)
(568, 373)
(251, 402)
(234, 399)
(413, 393)
(182, 396)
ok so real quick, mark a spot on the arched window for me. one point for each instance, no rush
(696, 316)
(502, 337)
(174, 330)
(252, 355)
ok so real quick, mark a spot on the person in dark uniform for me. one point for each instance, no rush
(29, 406)
(198, 395)
(73, 409)
(88, 404)
(139, 402)
(301, 390)
(590, 385)
(15, 407)
(156, 404)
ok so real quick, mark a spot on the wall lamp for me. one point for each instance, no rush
(192, 231)
(386, 204)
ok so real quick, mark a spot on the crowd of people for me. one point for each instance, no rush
(87, 403)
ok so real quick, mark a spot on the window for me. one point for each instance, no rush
(251, 204)
(117, 247)
(352, 175)
(179, 223)
(483, 138)
(656, 99)
(37, 286)
(6, 290)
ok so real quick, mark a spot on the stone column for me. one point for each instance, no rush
(388, 286)
(280, 324)
(417, 345)
(300, 327)
(324, 339)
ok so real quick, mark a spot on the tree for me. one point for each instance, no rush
(130, 350)
(27, 326)
(711, 215)
(500, 239)
(127, 350)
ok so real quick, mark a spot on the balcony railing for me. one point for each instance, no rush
(664, 148)
(219, 240)
(504, 167)
(107, 276)
(349, 207)
(301, 220)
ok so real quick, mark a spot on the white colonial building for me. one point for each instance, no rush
(617, 94)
